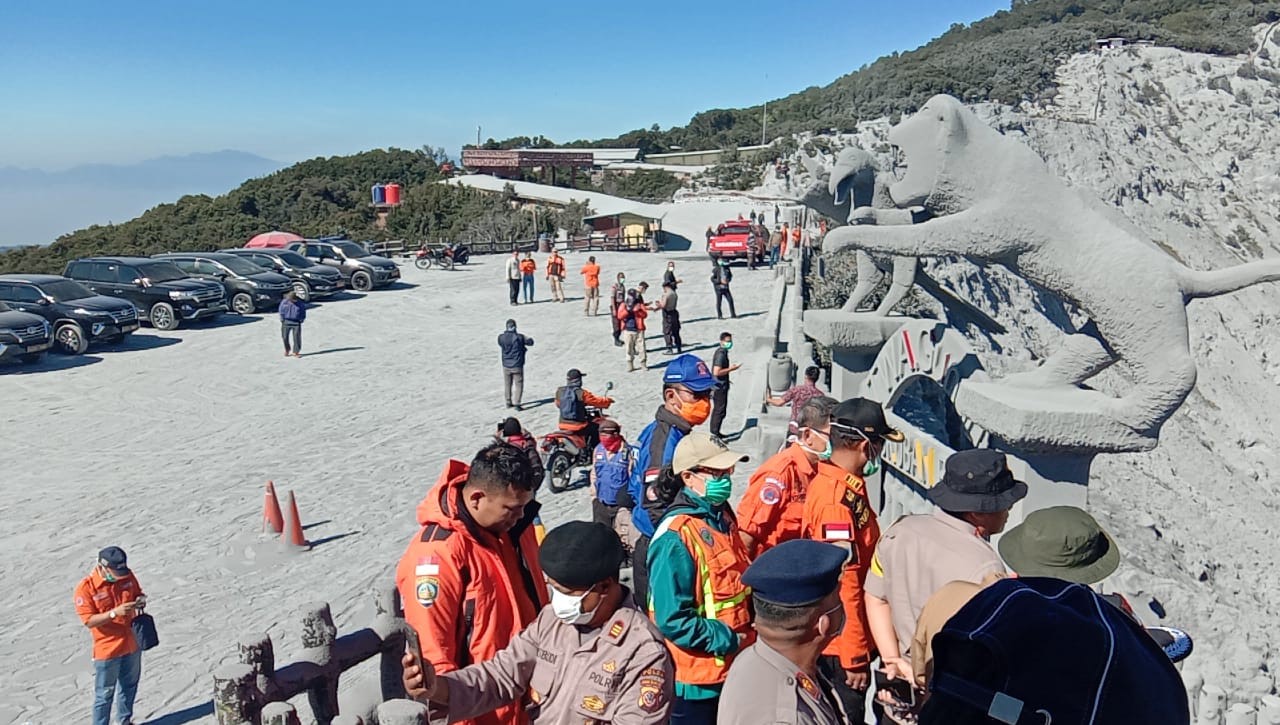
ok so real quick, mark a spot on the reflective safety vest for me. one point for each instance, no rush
(721, 560)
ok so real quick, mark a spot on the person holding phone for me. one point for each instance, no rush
(795, 593)
(107, 601)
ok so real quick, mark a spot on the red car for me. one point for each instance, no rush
(730, 240)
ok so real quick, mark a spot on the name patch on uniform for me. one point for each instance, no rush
(547, 656)
(426, 590)
(593, 704)
(837, 532)
(651, 698)
(771, 491)
(861, 512)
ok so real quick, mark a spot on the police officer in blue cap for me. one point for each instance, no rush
(796, 595)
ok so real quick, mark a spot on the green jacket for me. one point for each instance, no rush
(673, 594)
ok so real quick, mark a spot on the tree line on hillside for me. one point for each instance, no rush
(1008, 57)
(311, 198)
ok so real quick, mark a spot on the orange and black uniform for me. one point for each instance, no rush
(467, 591)
(836, 510)
(772, 509)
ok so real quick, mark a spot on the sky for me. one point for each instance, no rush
(83, 81)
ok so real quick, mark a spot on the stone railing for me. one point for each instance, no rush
(253, 691)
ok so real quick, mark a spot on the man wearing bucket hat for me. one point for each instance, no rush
(919, 554)
(836, 510)
(1065, 542)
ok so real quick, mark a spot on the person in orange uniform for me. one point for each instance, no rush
(107, 601)
(470, 579)
(836, 510)
(796, 232)
(786, 238)
(555, 275)
(591, 281)
(528, 268)
(772, 508)
(696, 562)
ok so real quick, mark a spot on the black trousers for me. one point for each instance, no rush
(719, 406)
(514, 285)
(854, 701)
(291, 329)
(723, 293)
(671, 330)
(640, 572)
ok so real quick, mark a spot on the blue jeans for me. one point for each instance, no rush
(773, 256)
(528, 288)
(122, 672)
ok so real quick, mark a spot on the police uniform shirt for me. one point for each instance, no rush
(918, 555)
(765, 687)
(620, 673)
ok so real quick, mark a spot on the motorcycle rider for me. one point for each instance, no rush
(573, 399)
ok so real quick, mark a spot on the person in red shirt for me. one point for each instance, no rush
(591, 280)
(772, 509)
(107, 601)
(527, 269)
(837, 511)
(470, 579)
(630, 315)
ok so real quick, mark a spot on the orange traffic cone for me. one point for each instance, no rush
(293, 525)
(271, 511)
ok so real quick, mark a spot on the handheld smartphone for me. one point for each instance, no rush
(901, 689)
(413, 646)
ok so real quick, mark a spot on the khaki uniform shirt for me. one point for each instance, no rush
(620, 673)
(941, 607)
(918, 555)
(765, 687)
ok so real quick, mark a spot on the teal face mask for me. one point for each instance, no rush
(872, 467)
(727, 345)
(825, 453)
(718, 490)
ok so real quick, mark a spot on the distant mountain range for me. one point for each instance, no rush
(37, 206)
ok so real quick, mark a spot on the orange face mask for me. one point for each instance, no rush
(697, 412)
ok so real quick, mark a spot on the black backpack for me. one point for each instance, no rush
(571, 406)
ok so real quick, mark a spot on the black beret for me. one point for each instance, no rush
(797, 572)
(581, 554)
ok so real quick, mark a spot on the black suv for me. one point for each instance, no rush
(77, 315)
(163, 294)
(310, 280)
(362, 270)
(249, 287)
(23, 336)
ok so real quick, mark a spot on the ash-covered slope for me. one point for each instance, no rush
(1188, 147)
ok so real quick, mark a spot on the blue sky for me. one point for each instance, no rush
(86, 81)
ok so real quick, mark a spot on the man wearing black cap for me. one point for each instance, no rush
(836, 510)
(795, 593)
(108, 600)
(590, 656)
(573, 399)
(513, 346)
(919, 554)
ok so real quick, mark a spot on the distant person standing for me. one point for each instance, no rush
(670, 318)
(555, 275)
(293, 312)
(513, 276)
(591, 285)
(775, 246)
(782, 247)
(107, 601)
(669, 276)
(720, 369)
(753, 217)
(796, 233)
(721, 276)
(513, 346)
(631, 315)
(528, 268)
(776, 213)
(710, 233)
(617, 296)
(798, 395)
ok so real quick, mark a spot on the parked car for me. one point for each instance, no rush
(730, 240)
(163, 294)
(23, 336)
(310, 280)
(362, 271)
(77, 315)
(249, 288)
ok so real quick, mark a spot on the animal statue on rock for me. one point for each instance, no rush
(993, 199)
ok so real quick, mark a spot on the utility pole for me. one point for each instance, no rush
(477, 136)
(764, 123)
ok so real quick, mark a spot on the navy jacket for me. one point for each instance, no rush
(513, 346)
(293, 311)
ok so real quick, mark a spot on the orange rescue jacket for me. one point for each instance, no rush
(466, 591)
(772, 509)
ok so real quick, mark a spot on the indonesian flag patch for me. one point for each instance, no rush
(837, 531)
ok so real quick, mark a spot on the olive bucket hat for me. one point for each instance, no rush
(1062, 542)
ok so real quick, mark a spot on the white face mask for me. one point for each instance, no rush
(568, 609)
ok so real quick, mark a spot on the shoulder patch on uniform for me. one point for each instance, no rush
(651, 697)
(593, 704)
(426, 589)
(705, 533)
(839, 531)
(809, 686)
(771, 491)
(615, 629)
(79, 601)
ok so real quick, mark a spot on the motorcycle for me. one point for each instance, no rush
(568, 456)
(427, 256)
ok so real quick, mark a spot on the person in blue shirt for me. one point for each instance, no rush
(611, 465)
(293, 312)
(686, 403)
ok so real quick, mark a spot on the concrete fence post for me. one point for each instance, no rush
(1241, 714)
(402, 712)
(279, 713)
(257, 651)
(1212, 701)
(318, 637)
(390, 625)
(234, 694)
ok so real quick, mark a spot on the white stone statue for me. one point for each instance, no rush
(992, 198)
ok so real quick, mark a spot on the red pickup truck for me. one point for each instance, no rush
(730, 240)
